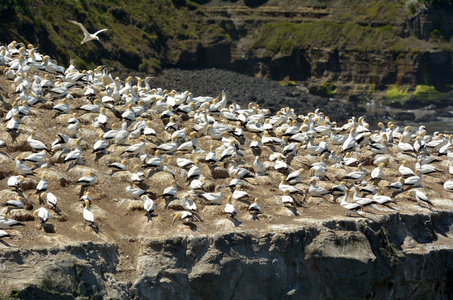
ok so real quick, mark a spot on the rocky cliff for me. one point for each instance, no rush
(387, 257)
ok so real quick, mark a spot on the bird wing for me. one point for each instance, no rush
(85, 32)
(99, 31)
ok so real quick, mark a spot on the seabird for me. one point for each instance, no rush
(215, 197)
(185, 216)
(148, 205)
(42, 214)
(230, 211)
(87, 36)
(87, 214)
(420, 197)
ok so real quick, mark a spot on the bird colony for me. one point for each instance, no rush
(82, 150)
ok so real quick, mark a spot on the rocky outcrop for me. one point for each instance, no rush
(387, 257)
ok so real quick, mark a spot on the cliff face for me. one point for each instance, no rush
(391, 256)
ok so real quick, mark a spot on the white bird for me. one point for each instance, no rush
(381, 199)
(230, 211)
(315, 191)
(87, 214)
(22, 169)
(171, 190)
(136, 148)
(148, 205)
(349, 207)
(355, 176)
(238, 194)
(287, 199)
(42, 214)
(34, 143)
(100, 144)
(420, 197)
(295, 177)
(255, 207)
(74, 155)
(87, 36)
(15, 181)
(194, 171)
(415, 180)
(448, 185)
(404, 170)
(282, 187)
(87, 180)
(134, 192)
(185, 216)
(187, 203)
(215, 197)
(6, 223)
(258, 166)
(42, 184)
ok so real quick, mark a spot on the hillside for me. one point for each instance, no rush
(320, 44)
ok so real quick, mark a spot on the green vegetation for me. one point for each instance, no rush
(285, 37)
(141, 34)
(396, 93)
(324, 90)
(426, 93)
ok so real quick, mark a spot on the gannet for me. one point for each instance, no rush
(87, 180)
(185, 216)
(171, 190)
(294, 177)
(136, 148)
(42, 214)
(22, 169)
(118, 166)
(360, 200)
(6, 223)
(15, 181)
(448, 185)
(137, 175)
(111, 133)
(355, 176)
(148, 205)
(381, 199)
(229, 210)
(255, 207)
(258, 166)
(87, 36)
(15, 204)
(282, 187)
(194, 172)
(287, 200)
(215, 197)
(420, 197)
(42, 184)
(74, 155)
(280, 165)
(134, 192)
(404, 170)
(60, 142)
(122, 135)
(34, 143)
(154, 162)
(377, 172)
(100, 145)
(315, 191)
(87, 214)
(238, 194)
(211, 156)
(349, 207)
(424, 168)
(415, 180)
(188, 204)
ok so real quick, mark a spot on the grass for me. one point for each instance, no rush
(285, 37)
(427, 93)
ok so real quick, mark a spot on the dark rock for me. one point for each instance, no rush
(404, 116)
